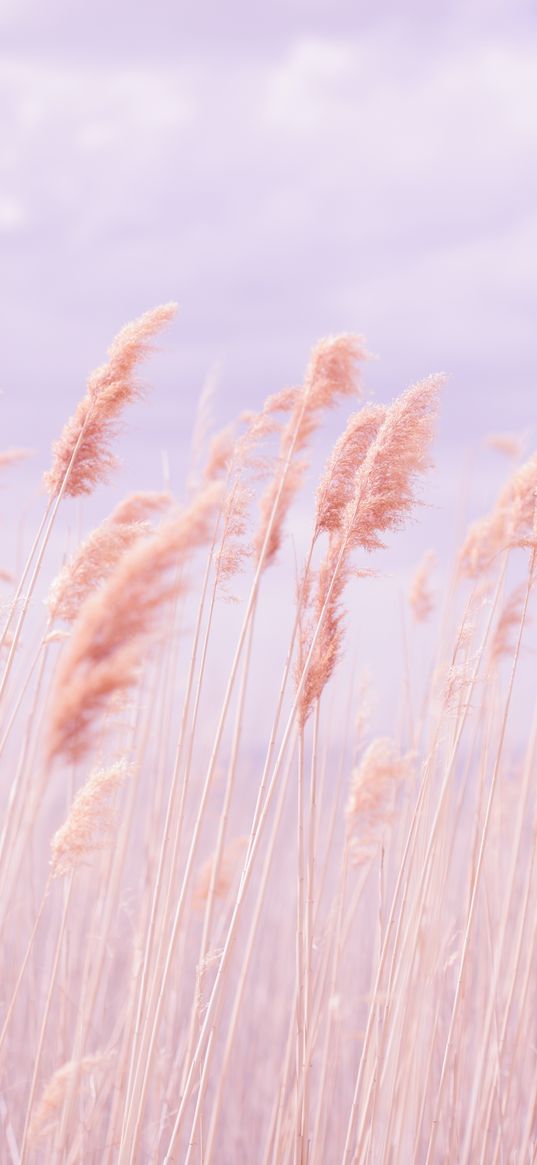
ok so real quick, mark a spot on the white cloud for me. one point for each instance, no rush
(97, 106)
(306, 89)
(384, 103)
(369, 183)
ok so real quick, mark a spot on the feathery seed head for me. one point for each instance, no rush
(510, 525)
(48, 1110)
(118, 622)
(331, 375)
(373, 790)
(82, 457)
(420, 594)
(90, 818)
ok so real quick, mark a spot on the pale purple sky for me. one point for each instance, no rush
(283, 170)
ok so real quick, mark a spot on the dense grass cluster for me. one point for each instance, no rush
(229, 933)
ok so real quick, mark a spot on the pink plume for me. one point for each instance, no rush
(82, 457)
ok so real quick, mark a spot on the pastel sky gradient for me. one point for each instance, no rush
(283, 170)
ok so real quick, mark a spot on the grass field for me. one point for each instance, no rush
(238, 925)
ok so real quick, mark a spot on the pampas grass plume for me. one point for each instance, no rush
(511, 523)
(420, 595)
(371, 802)
(48, 1110)
(336, 488)
(331, 375)
(90, 818)
(396, 451)
(117, 622)
(96, 558)
(82, 457)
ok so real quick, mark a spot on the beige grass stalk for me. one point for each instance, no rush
(165, 861)
(245, 965)
(24, 799)
(94, 972)
(279, 1106)
(407, 854)
(163, 703)
(399, 1036)
(366, 513)
(335, 944)
(192, 1144)
(320, 997)
(309, 927)
(320, 1003)
(235, 1015)
(289, 1096)
(397, 1115)
(21, 693)
(317, 1143)
(402, 1025)
(135, 1108)
(263, 785)
(10, 1139)
(46, 527)
(304, 938)
(175, 851)
(220, 841)
(336, 940)
(328, 504)
(483, 730)
(173, 858)
(24, 964)
(400, 1075)
(211, 1043)
(145, 1029)
(510, 883)
(529, 1124)
(104, 910)
(420, 1117)
(471, 911)
(25, 572)
(527, 926)
(300, 1051)
(124, 1060)
(81, 1143)
(397, 1024)
(409, 935)
(377, 949)
(15, 784)
(247, 872)
(494, 1066)
(345, 350)
(44, 1022)
(273, 1150)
